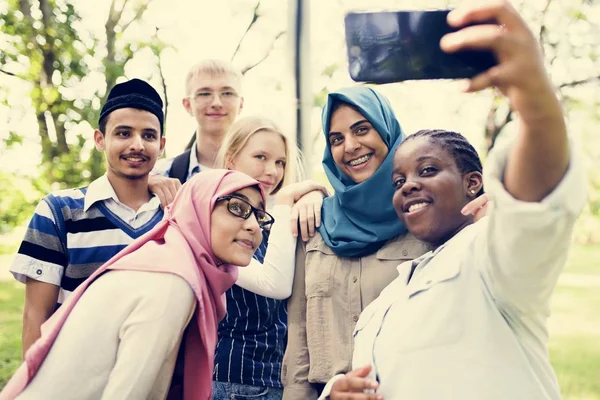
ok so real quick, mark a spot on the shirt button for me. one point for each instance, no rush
(404, 252)
(354, 279)
(355, 318)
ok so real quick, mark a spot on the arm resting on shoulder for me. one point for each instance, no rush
(274, 277)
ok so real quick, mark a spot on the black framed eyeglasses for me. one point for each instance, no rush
(241, 208)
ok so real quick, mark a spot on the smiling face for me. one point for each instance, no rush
(234, 239)
(431, 190)
(262, 158)
(214, 100)
(356, 147)
(131, 143)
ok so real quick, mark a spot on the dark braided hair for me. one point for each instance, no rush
(464, 154)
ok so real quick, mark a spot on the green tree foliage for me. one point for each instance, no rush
(17, 201)
(569, 40)
(44, 43)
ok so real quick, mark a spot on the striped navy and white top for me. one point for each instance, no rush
(74, 231)
(252, 337)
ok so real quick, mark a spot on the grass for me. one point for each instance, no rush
(584, 260)
(574, 328)
(11, 311)
(574, 345)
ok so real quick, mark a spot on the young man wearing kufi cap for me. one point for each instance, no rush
(75, 231)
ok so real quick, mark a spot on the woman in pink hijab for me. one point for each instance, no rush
(118, 335)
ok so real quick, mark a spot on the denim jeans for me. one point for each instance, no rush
(232, 391)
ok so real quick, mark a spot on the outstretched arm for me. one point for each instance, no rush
(540, 156)
(537, 186)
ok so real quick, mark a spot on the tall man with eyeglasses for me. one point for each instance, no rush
(212, 97)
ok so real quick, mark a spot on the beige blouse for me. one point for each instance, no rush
(328, 295)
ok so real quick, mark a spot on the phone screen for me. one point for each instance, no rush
(404, 45)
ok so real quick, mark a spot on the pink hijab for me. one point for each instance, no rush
(179, 244)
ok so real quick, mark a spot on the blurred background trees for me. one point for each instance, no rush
(59, 57)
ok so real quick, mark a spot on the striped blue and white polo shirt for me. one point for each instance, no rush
(74, 231)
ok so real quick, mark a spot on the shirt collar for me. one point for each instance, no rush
(101, 189)
(433, 253)
(194, 164)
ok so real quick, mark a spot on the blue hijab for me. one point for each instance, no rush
(359, 218)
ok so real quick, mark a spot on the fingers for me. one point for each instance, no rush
(479, 37)
(310, 220)
(303, 222)
(164, 196)
(354, 396)
(355, 386)
(308, 217)
(475, 205)
(311, 187)
(164, 188)
(294, 221)
(323, 189)
(360, 372)
(519, 58)
(317, 213)
(493, 77)
(172, 188)
(500, 11)
(482, 212)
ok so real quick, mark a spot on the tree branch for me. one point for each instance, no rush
(255, 16)
(118, 14)
(12, 74)
(579, 82)
(48, 55)
(136, 17)
(542, 32)
(248, 68)
(25, 8)
(163, 81)
(112, 16)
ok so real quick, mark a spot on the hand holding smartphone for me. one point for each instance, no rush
(396, 46)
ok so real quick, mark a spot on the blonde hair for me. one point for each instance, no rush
(243, 129)
(211, 67)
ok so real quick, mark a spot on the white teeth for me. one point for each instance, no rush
(360, 160)
(134, 159)
(417, 206)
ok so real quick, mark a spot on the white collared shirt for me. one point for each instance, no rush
(163, 167)
(471, 323)
(102, 190)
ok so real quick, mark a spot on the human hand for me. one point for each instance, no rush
(163, 187)
(478, 207)
(355, 386)
(520, 73)
(290, 194)
(306, 213)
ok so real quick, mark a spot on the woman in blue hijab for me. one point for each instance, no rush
(359, 244)
(360, 218)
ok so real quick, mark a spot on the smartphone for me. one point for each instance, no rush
(397, 46)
